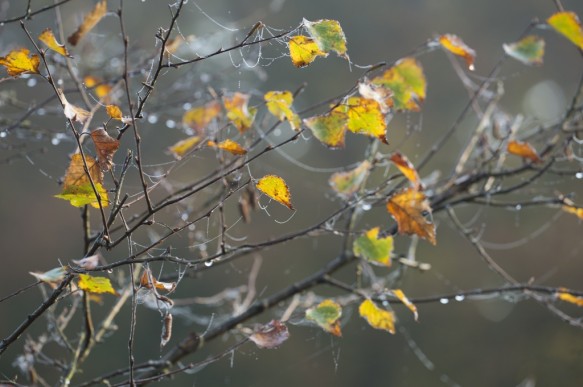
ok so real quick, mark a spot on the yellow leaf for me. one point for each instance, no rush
(524, 150)
(328, 35)
(408, 208)
(77, 187)
(20, 62)
(401, 296)
(329, 128)
(91, 19)
(568, 25)
(279, 104)
(48, 38)
(568, 297)
(238, 111)
(406, 86)
(304, 50)
(114, 112)
(406, 168)
(376, 317)
(347, 183)
(365, 117)
(230, 146)
(374, 249)
(456, 46)
(106, 147)
(570, 207)
(276, 188)
(102, 90)
(327, 315)
(199, 117)
(95, 284)
(183, 146)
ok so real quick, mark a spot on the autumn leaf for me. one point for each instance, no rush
(456, 46)
(326, 314)
(524, 150)
(383, 95)
(106, 146)
(91, 19)
(229, 146)
(114, 112)
(529, 50)
(567, 297)
(405, 82)
(51, 277)
(376, 317)
(270, 335)
(401, 296)
(48, 38)
(329, 128)
(20, 62)
(102, 90)
(174, 44)
(72, 112)
(406, 167)
(183, 146)
(365, 117)
(345, 184)
(374, 249)
(328, 35)
(408, 208)
(238, 111)
(148, 281)
(96, 285)
(199, 117)
(279, 104)
(276, 188)
(568, 25)
(304, 50)
(77, 187)
(87, 263)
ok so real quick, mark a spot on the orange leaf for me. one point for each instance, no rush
(229, 146)
(401, 296)
(199, 117)
(524, 150)
(406, 168)
(276, 188)
(568, 297)
(148, 281)
(102, 90)
(48, 38)
(106, 147)
(238, 111)
(377, 318)
(91, 19)
(456, 46)
(20, 62)
(114, 112)
(408, 208)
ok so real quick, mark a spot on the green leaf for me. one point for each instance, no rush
(328, 35)
(374, 249)
(407, 83)
(329, 128)
(347, 183)
(326, 315)
(529, 50)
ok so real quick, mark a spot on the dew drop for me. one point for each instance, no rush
(152, 118)
(208, 263)
(277, 132)
(3, 134)
(579, 175)
(184, 216)
(31, 82)
(170, 124)
(186, 105)
(518, 207)
(41, 112)
(444, 301)
(460, 297)
(366, 206)
(55, 140)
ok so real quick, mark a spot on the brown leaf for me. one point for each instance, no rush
(149, 281)
(106, 146)
(77, 188)
(270, 335)
(408, 208)
(91, 19)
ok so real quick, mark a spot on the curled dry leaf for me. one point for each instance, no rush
(409, 207)
(406, 167)
(524, 150)
(148, 281)
(270, 335)
(89, 21)
(87, 263)
(20, 62)
(106, 146)
(403, 298)
(276, 188)
(71, 111)
(456, 46)
(166, 330)
(48, 38)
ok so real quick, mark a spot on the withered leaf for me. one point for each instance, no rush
(106, 146)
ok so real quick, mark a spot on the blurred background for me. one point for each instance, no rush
(498, 341)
